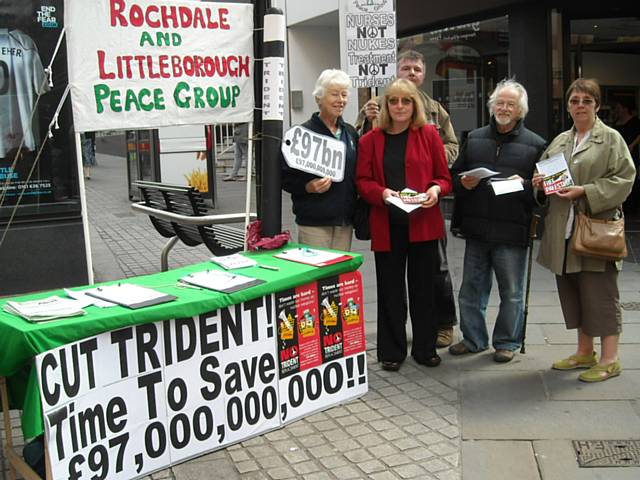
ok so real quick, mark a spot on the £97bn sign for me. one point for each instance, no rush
(314, 153)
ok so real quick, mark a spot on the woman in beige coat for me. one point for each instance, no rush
(603, 173)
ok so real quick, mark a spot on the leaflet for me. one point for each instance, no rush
(45, 309)
(236, 260)
(130, 295)
(311, 256)
(480, 173)
(502, 186)
(221, 281)
(556, 173)
(407, 207)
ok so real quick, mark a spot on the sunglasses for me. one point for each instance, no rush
(406, 101)
(587, 102)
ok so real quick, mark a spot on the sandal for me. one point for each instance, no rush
(600, 373)
(576, 361)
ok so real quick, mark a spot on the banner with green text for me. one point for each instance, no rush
(153, 63)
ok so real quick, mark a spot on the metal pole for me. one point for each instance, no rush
(83, 209)
(259, 9)
(272, 120)
(532, 237)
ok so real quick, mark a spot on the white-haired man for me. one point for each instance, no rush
(496, 227)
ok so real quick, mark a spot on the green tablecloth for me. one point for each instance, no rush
(21, 341)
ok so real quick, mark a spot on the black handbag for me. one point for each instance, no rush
(361, 220)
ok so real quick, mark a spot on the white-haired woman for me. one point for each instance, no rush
(324, 209)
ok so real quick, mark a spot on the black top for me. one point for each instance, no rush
(395, 149)
(630, 132)
(335, 206)
(480, 213)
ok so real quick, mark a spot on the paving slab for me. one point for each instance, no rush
(557, 461)
(565, 386)
(492, 460)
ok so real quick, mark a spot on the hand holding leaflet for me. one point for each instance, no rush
(556, 173)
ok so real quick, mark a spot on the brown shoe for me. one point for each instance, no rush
(445, 337)
(459, 348)
(503, 356)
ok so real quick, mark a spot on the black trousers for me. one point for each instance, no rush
(407, 267)
(445, 305)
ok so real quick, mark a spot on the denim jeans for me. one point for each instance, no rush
(509, 264)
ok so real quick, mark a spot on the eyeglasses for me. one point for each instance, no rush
(507, 105)
(587, 102)
(406, 101)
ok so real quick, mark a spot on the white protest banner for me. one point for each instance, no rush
(370, 34)
(151, 63)
(128, 402)
(314, 153)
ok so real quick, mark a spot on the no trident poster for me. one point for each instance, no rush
(151, 63)
(125, 403)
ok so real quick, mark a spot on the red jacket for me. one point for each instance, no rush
(425, 164)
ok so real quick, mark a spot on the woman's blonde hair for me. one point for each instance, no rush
(402, 88)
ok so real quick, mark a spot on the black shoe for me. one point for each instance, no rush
(391, 366)
(432, 361)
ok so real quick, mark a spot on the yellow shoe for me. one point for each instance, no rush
(576, 361)
(600, 373)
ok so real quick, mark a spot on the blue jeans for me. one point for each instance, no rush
(509, 264)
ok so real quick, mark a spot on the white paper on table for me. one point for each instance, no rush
(479, 173)
(221, 281)
(501, 187)
(236, 260)
(49, 308)
(407, 207)
(86, 300)
(311, 256)
(129, 295)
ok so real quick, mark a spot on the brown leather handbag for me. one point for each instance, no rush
(602, 239)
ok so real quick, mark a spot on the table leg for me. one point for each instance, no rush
(16, 462)
(8, 432)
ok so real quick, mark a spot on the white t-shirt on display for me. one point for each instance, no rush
(21, 77)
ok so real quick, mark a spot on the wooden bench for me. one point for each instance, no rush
(179, 213)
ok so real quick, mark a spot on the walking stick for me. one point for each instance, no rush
(532, 237)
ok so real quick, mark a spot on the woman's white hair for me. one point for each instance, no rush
(509, 83)
(329, 78)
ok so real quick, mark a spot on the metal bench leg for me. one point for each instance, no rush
(164, 256)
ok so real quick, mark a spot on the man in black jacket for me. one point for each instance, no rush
(495, 226)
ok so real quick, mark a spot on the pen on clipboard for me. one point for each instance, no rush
(269, 267)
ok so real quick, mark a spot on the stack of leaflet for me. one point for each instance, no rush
(237, 260)
(130, 295)
(221, 281)
(311, 256)
(43, 310)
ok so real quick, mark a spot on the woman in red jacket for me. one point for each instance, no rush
(404, 152)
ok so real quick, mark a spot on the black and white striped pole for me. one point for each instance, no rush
(273, 91)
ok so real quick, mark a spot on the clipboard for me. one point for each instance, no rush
(130, 295)
(221, 281)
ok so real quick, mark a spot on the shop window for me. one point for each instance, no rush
(37, 176)
(463, 63)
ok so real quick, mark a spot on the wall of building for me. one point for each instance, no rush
(302, 11)
(612, 68)
(311, 50)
